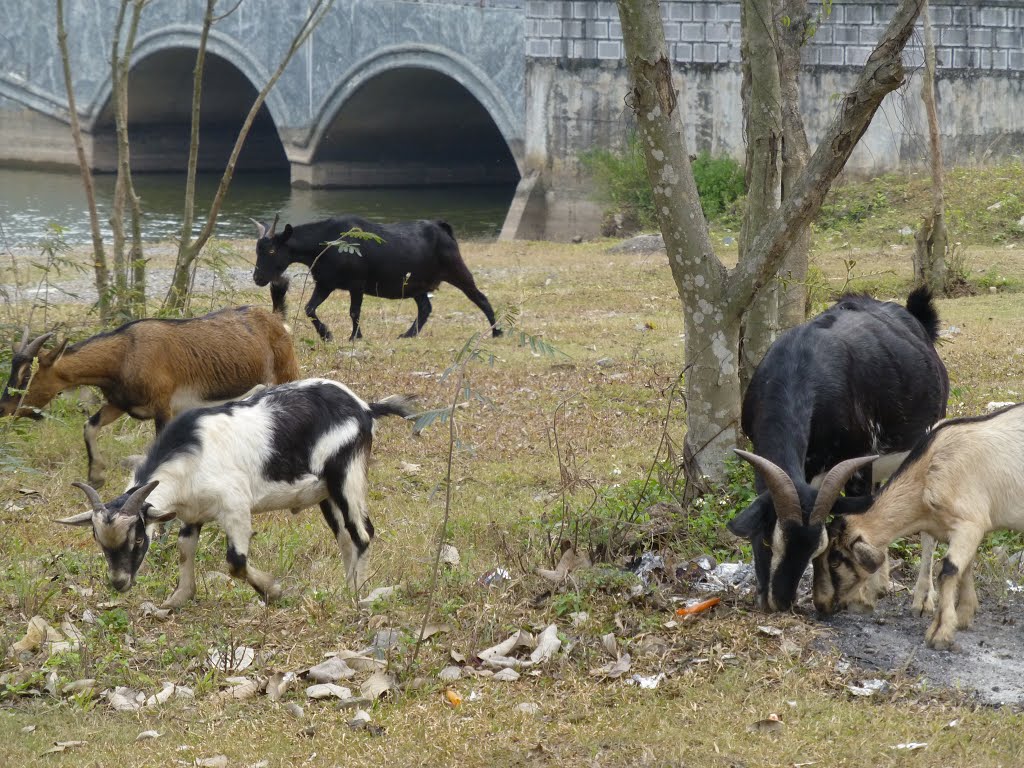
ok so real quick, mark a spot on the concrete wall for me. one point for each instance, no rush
(577, 82)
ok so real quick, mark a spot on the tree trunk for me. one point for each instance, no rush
(930, 251)
(189, 249)
(99, 256)
(762, 119)
(714, 299)
(793, 34)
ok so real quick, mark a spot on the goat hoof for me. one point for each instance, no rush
(175, 602)
(497, 333)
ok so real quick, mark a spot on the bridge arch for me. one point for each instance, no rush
(160, 104)
(413, 115)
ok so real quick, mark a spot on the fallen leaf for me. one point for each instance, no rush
(278, 684)
(327, 690)
(449, 674)
(868, 687)
(507, 675)
(452, 697)
(294, 710)
(240, 691)
(579, 618)
(547, 645)
(148, 735)
(608, 641)
(434, 629)
(150, 609)
(568, 563)
(124, 699)
(376, 685)
(380, 593)
(37, 633)
(359, 719)
(330, 671)
(360, 662)
(238, 659)
(217, 761)
(28, 729)
(529, 708)
(770, 631)
(450, 556)
(86, 685)
(60, 746)
(498, 655)
(614, 669)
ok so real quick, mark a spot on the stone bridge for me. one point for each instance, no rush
(422, 92)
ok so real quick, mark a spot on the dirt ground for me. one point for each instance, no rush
(987, 664)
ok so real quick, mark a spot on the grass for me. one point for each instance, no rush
(510, 493)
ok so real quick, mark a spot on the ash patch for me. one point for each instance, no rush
(987, 664)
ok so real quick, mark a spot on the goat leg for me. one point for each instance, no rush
(188, 542)
(239, 530)
(100, 419)
(963, 545)
(923, 601)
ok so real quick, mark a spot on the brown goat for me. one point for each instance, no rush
(154, 369)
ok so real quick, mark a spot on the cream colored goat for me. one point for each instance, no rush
(964, 479)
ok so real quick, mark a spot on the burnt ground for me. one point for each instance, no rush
(987, 665)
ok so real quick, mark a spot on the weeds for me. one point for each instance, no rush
(622, 183)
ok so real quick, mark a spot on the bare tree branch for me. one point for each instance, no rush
(882, 74)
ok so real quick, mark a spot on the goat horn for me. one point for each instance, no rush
(94, 498)
(261, 228)
(24, 340)
(833, 484)
(31, 349)
(273, 227)
(780, 485)
(134, 503)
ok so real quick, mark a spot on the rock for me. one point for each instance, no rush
(640, 244)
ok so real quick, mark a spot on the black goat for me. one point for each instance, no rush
(413, 259)
(861, 378)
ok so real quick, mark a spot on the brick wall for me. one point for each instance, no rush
(969, 36)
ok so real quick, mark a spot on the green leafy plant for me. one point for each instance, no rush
(622, 182)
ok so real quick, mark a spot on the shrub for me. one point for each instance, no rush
(621, 182)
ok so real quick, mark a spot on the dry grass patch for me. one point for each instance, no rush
(614, 318)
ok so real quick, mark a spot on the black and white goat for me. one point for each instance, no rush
(862, 377)
(288, 447)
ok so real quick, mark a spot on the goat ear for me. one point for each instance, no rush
(285, 233)
(49, 357)
(752, 518)
(870, 558)
(852, 505)
(152, 515)
(82, 518)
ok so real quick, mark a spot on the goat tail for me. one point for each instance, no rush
(395, 405)
(922, 307)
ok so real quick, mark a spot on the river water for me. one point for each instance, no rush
(32, 200)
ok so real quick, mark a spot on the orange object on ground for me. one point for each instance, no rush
(698, 607)
(453, 697)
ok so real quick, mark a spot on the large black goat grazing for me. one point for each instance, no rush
(861, 378)
(414, 258)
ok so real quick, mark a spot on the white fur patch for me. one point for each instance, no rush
(337, 437)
